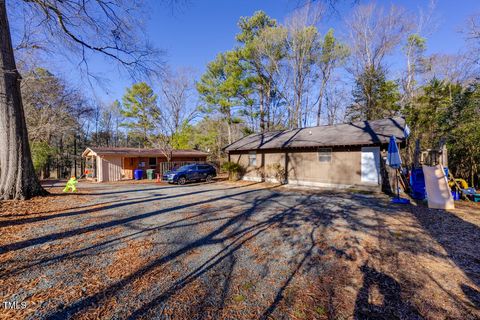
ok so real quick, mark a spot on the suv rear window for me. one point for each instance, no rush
(203, 167)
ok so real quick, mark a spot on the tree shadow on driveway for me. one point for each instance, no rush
(268, 237)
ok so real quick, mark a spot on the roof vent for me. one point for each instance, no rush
(310, 132)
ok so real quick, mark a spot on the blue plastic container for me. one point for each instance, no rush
(138, 174)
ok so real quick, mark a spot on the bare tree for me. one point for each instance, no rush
(164, 144)
(335, 104)
(107, 121)
(422, 24)
(29, 45)
(473, 36)
(473, 27)
(374, 34)
(332, 54)
(81, 28)
(302, 46)
(176, 97)
(53, 111)
(51, 106)
(271, 48)
(455, 68)
(177, 92)
(105, 27)
(117, 119)
(414, 50)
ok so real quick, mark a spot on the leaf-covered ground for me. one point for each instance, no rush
(235, 251)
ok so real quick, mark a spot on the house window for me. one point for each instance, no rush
(252, 158)
(152, 162)
(325, 155)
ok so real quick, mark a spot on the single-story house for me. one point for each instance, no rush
(342, 155)
(114, 164)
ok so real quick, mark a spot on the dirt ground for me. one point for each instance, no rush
(235, 251)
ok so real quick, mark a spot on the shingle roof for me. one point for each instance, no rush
(376, 132)
(145, 152)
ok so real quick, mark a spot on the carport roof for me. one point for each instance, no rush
(138, 152)
(376, 132)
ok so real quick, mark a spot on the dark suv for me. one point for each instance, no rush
(191, 172)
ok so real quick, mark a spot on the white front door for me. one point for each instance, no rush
(370, 165)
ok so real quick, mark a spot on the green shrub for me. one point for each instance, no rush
(41, 151)
(234, 170)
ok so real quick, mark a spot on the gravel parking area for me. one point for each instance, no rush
(235, 251)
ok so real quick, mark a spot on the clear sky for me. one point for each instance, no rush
(194, 33)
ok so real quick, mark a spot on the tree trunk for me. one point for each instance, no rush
(17, 176)
(262, 110)
(267, 106)
(229, 127)
(298, 105)
(472, 172)
(320, 101)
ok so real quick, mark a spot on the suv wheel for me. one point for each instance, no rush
(209, 178)
(182, 180)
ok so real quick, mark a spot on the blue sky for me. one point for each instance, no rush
(194, 33)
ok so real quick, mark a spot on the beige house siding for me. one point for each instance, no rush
(304, 167)
(344, 168)
(271, 170)
(264, 168)
(252, 173)
(109, 168)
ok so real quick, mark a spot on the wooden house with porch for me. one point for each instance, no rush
(114, 164)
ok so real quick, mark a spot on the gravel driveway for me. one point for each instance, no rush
(235, 251)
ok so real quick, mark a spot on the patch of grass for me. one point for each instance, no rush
(360, 191)
(247, 286)
(320, 310)
(299, 314)
(238, 298)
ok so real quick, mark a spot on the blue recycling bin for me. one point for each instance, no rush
(138, 174)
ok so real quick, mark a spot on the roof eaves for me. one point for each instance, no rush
(87, 150)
